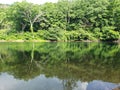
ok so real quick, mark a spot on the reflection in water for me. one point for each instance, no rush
(100, 85)
(8, 82)
(59, 66)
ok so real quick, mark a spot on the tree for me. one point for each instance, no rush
(3, 16)
(64, 6)
(25, 16)
(53, 17)
(115, 12)
(74, 18)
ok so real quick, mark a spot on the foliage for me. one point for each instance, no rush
(4, 24)
(66, 20)
(25, 16)
(79, 35)
(109, 34)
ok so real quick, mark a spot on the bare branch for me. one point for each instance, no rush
(36, 18)
(23, 26)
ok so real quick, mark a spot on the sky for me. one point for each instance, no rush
(33, 1)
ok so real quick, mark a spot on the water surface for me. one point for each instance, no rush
(59, 66)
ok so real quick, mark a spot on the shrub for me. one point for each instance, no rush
(108, 34)
(79, 35)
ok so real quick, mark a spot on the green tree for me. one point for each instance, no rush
(53, 17)
(3, 16)
(25, 16)
(64, 6)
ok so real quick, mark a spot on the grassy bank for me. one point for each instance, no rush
(46, 35)
(57, 35)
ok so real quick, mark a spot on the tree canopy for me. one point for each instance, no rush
(99, 18)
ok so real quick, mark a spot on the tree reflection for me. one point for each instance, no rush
(68, 61)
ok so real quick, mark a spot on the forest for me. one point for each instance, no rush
(66, 20)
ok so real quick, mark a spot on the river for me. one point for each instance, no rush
(59, 66)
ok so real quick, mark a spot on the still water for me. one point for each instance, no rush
(59, 66)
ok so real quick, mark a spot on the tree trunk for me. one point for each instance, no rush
(31, 29)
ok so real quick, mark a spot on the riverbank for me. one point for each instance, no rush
(118, 41)
(56, 36)
(24, 41)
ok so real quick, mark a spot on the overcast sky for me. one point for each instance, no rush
(33, 1)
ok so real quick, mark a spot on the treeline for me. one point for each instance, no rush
(66, 20)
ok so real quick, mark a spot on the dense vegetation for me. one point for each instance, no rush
(66, 20)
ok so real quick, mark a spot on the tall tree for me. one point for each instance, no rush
(65, 8)
(25, 16)
(3, 16)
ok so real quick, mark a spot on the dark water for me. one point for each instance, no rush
(59, 66)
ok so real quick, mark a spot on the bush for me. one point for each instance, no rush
(79, 35)
(72, 35)
(108, 34)
(52, 35)
(85, 35)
